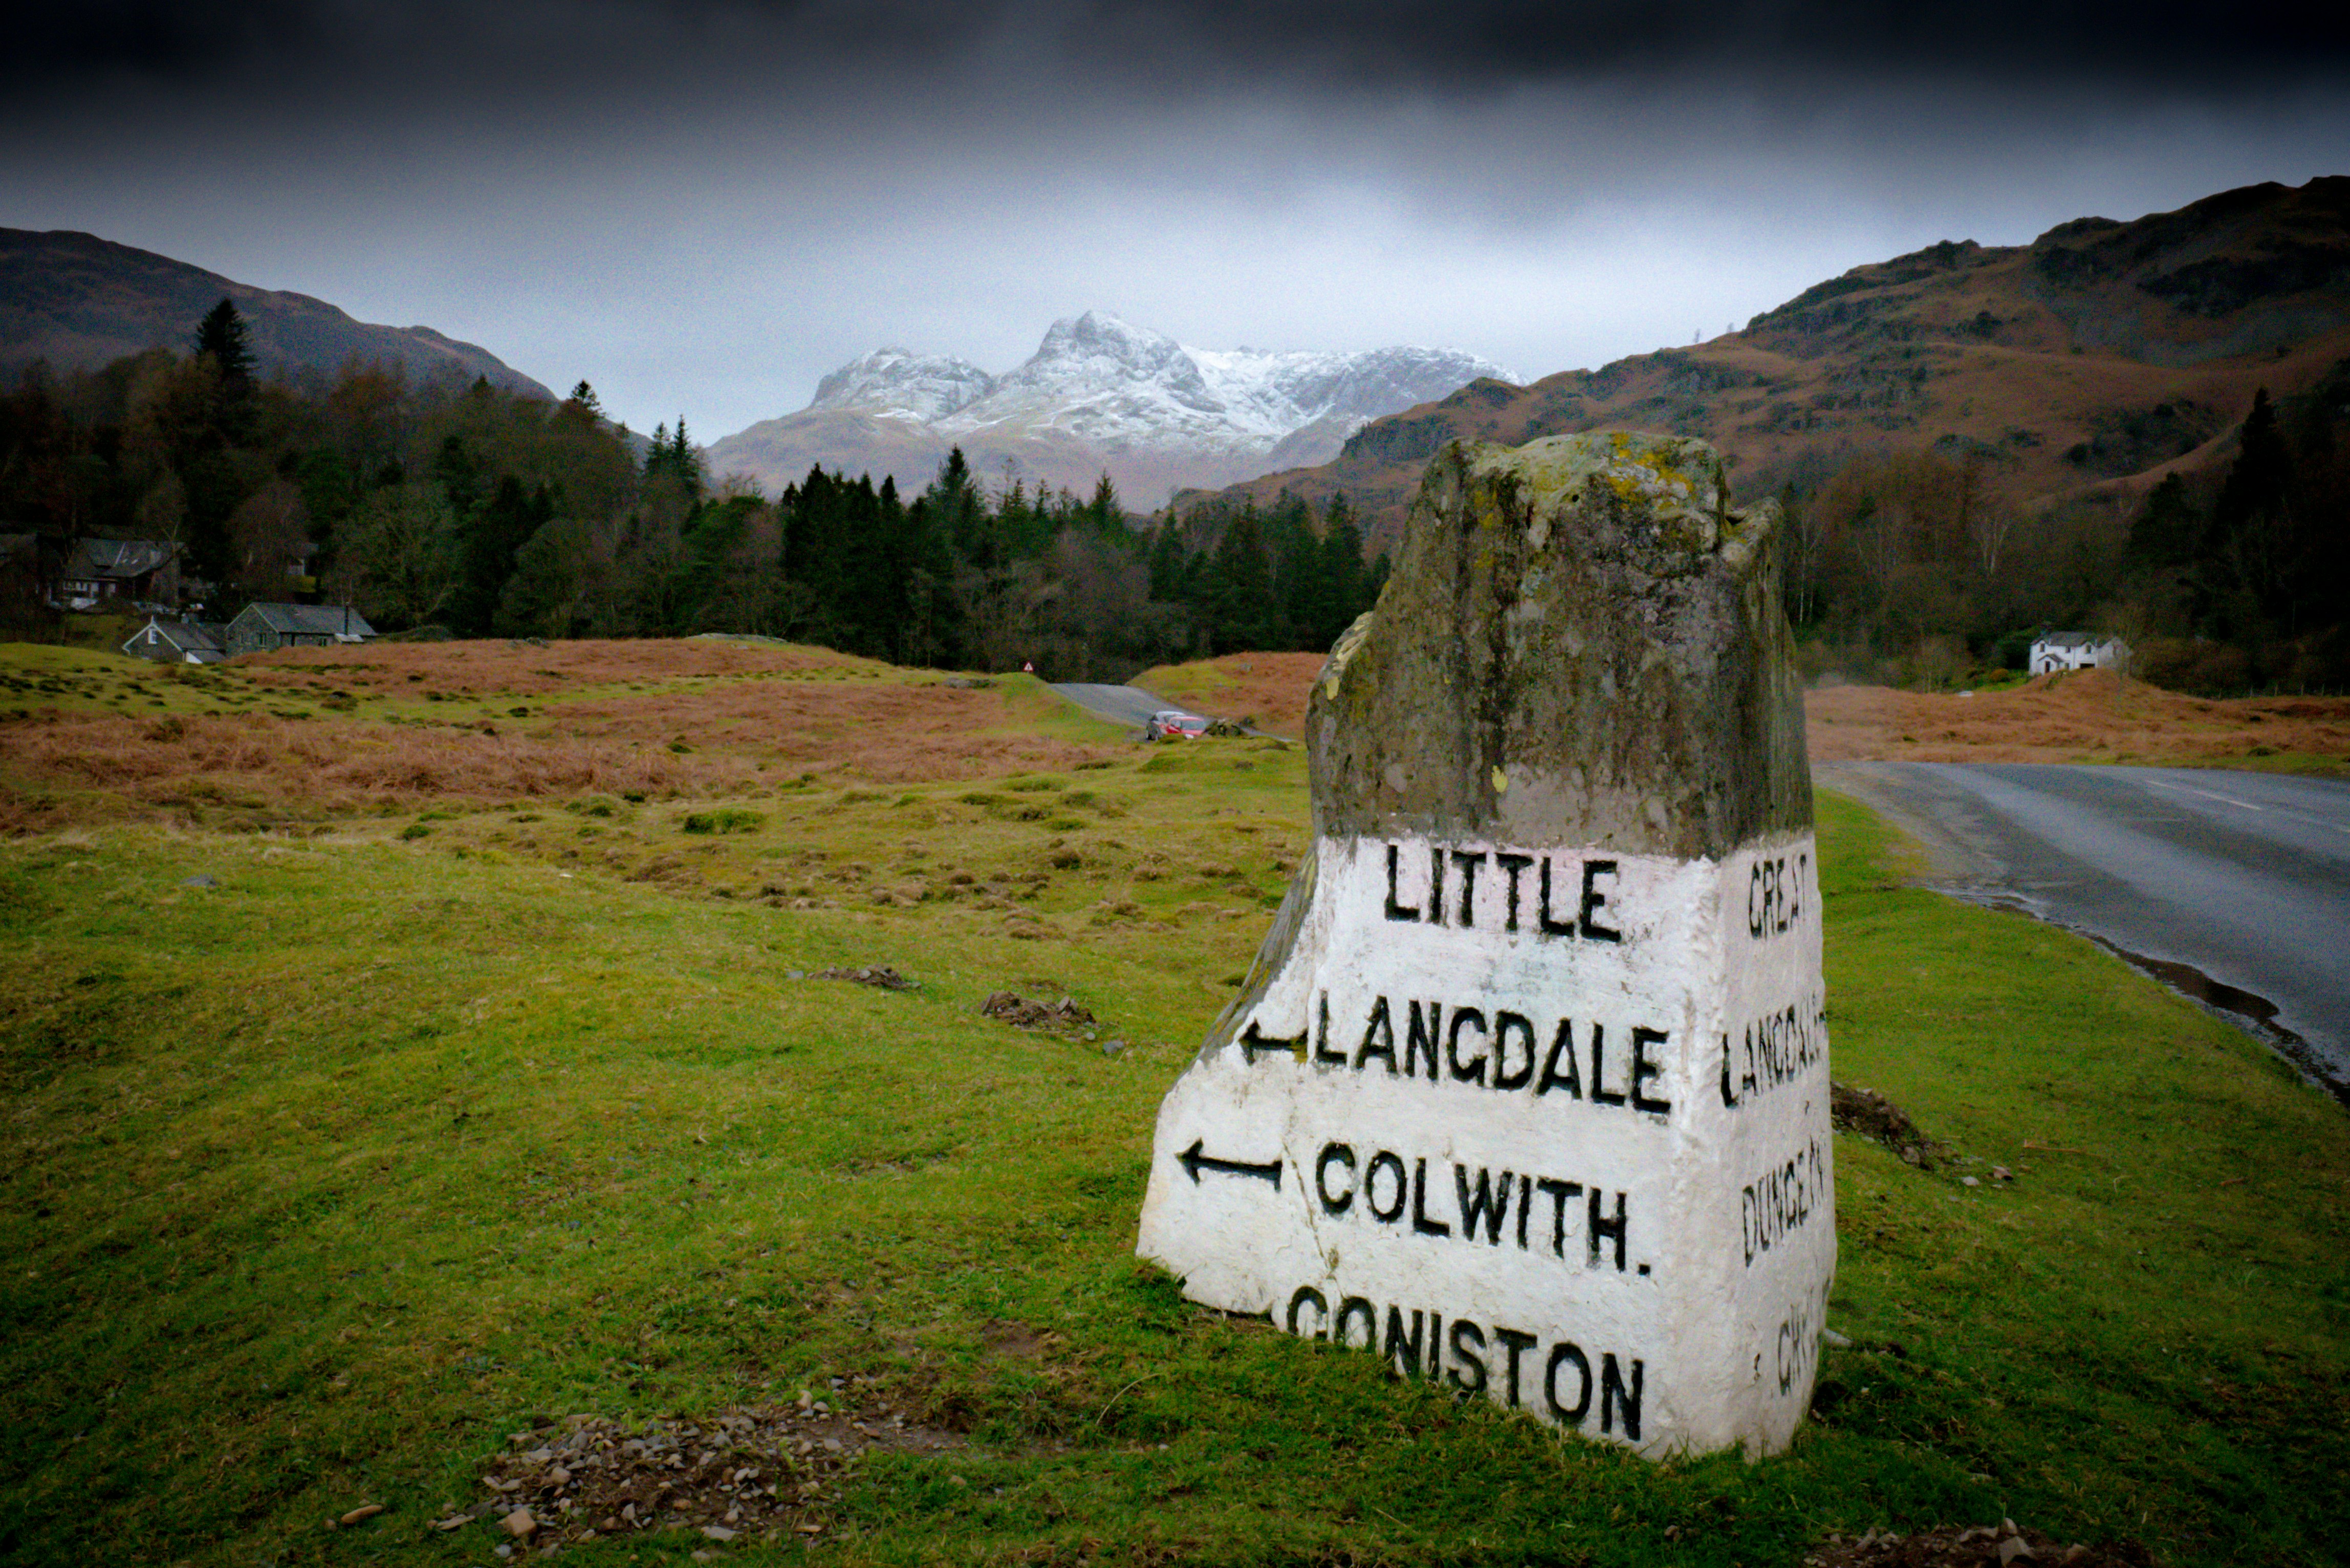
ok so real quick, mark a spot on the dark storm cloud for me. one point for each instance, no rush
(707, 204)
(1480, 43)
(1180, 48)
(163, 38)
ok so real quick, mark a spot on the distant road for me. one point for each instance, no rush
(2234, 887)
(1118, 704)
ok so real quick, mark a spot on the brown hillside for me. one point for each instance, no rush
(2086, 364)
(79, 302)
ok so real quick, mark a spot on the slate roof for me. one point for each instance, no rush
(205, 643)
(118, 557)
(313, 620)
(2070, 639)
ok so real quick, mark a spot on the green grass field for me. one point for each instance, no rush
(321, 1181)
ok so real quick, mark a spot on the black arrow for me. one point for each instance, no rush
(1255, 1044)
(1194, 1161)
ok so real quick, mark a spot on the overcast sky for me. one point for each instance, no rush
(703, 205)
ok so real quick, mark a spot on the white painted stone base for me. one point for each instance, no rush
(1570, 1152)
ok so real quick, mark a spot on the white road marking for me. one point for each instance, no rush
(2248, 806)
(2207, 794)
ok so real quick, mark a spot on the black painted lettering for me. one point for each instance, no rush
(1505, 1024)
(1594, 901)
(1397, 911)
(1435, 1346)
(1561, 1194)
(1781, 1201)
(1467, 864)
(1322, 1051)
(1350, 1309)
(1482, 1207)
(1774, 1049)
(1513, 865)
(1614, 1399)
(1335, 1154)
(1321, 1309)
(1561, 1355)
(1517, 1344)
(1409, 1364)
(1421, 1038)
(1468, 1351)
(1775, 896)
(1462, 1072)
(1435, 885)
(1544, 923)
(1561, 1050)
(1525, 1206)
(1378, 1039)
(1420, 1220)
(1645, 1067)
(1600, 1092)
(1600, 1229)
(1392, 1163)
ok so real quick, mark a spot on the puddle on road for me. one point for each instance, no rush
(2253, 1013)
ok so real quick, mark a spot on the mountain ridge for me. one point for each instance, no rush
(1100, 395)
(2081, 367)
(80, 302)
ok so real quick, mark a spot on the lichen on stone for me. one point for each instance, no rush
(1582, 642)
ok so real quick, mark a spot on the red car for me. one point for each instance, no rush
(1174, 724)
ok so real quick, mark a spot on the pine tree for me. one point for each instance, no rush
(2243, 575)
(1349, 593)
(1103, 513)
(1167, 561)
(2168, 529)
(1241, 607)
(222, 335)
(488, 539)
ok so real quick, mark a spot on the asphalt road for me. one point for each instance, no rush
(1118, 704)
(2233, 886)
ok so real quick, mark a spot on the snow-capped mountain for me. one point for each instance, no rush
(1100, 395)
(900, 384)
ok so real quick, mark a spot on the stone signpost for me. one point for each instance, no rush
(1527, 1091)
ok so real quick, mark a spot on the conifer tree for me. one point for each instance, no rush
(2244, 573)
(1241, 607)
(489, 538)
(1103, 513)
(1342, 556)
(222, 335)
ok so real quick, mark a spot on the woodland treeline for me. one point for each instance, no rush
(1903, 568)
(489, 513)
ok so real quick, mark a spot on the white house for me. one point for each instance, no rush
(2052, 650)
